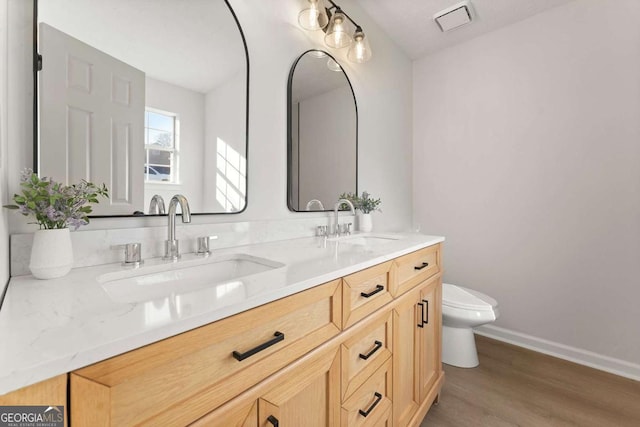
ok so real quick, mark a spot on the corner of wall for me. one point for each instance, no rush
(4, 226)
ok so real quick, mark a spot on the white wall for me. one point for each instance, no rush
(382, 87)
(190, 108)
(226, 139)
(527, 157)
(328, 150)
(4, 234)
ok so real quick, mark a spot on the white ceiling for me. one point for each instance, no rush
(410, 22)
(194, 44)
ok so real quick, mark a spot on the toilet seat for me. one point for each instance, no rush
(467, 299)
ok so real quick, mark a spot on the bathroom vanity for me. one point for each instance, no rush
(344, 333)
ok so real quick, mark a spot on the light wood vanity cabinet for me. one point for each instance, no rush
(417, 366)
(365, 344)
(180, 379)
(307, 393)
(51, 392)
(365, 291)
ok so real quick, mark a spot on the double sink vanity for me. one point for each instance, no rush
(308, 331)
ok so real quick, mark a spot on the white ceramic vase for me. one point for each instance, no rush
(365, 223)
(51, 253)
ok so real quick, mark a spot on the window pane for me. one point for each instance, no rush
(160, 138)
(157, 173)
(160, 158)
(160, 121)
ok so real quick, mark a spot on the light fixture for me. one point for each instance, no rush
(338, 28)
(337, 32)
(317, 53)
(333, 65)
(314, 16)
(360, 51)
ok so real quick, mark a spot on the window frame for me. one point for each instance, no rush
(174, 162)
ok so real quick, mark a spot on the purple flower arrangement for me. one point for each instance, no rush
(55, 205)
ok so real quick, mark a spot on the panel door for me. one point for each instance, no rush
(91, 120)
(240, 412)
(309, 396)
(407, 331)
(430, 355)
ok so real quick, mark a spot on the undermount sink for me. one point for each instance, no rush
(366, 239)
(160, 280)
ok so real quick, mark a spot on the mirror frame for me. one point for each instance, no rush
(37, 66)
(290, 135)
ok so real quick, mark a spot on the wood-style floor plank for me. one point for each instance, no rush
(514, 386)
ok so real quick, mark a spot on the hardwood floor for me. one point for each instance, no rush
(514, 386)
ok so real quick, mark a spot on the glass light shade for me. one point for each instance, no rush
(333, 65)
(338, 31)
(313, 17)
(360, 50)
(317, 53)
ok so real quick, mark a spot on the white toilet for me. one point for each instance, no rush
(462, 310)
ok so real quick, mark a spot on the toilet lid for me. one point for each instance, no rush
(459, 297)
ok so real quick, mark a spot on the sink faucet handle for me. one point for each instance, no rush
(203, 245)
(132, 253)
(348, 226)
(322, 230)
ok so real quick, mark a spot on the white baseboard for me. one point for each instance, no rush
(572, 354)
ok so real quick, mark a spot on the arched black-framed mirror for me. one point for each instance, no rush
(322, 134)
(181, 68)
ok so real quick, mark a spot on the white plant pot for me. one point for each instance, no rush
(365, 222)
(51, 254)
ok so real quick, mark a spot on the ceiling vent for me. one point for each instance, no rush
(453, 17)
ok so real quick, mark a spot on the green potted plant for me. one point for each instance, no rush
(56, 208)
(366, 205)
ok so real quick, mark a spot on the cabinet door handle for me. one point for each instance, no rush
(421, 324)
(425, 318)
(379, 288)
(277, 337)
(373, 405)
(424, 264)
(273, 420)
(376, 347)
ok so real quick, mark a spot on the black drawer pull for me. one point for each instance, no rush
(421, 324)
(277, 337)
(273, 420)
(424, 264)
(425, 318)
(376, 347)
(368, 411)
(379, 288)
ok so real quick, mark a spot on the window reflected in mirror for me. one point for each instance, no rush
(146, 97)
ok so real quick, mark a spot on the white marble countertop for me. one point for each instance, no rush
(50, 327)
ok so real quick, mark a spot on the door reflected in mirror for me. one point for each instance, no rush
(148, 97)
(322, 133)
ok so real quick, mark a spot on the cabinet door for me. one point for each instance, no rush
(51, 392)
(309, 396)
(240, 412)
(430, 357)
(407, 329)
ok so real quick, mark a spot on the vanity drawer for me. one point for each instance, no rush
(180, 379)
(413, 268)
(371, 404)
(364, 292)
(364, 353)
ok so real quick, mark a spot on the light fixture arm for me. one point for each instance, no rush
(335, 6)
